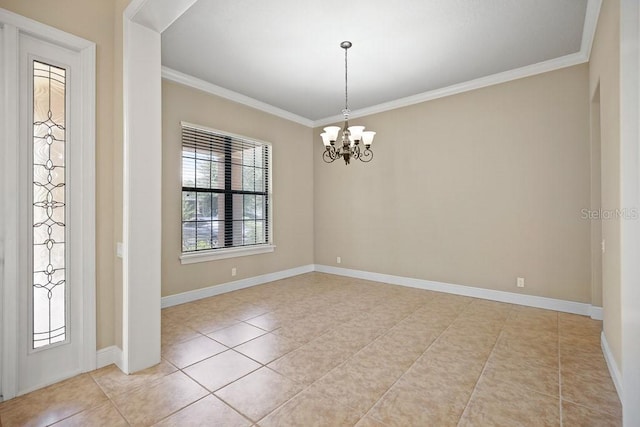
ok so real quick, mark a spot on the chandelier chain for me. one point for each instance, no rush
(346, 88)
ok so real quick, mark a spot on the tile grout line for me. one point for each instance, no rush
(180, 409)
(228, 349)
(108, 400)
(215, 396)
(484, 367)
(111, 402)
(302, 390)
(590, 408)
(366, 345)
(314, 339)
(212, 393)
(156, 381)
(308, 386)
(414, 362)
(233, 408)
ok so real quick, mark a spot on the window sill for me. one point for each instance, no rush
(216, 254)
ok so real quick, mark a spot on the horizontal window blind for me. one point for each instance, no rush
(207, 140)
(225, 190)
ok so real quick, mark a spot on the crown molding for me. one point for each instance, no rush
(494, 79)
(588, 34)
(133, 8)
(590, 26)
(157, 15)
(196, 83)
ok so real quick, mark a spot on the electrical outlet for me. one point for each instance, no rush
(233, 271)
(520, 282)
(338, 260)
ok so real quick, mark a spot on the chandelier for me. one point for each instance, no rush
(352, 136)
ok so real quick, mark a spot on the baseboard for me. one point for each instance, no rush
(469, 291)
(612, 365)
(595, 312)
(108, 355)
(210, 291)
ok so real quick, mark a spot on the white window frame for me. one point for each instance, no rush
(234, 251)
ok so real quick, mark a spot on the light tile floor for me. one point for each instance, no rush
(322, 350)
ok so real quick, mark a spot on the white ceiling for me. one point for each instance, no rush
(286, 54)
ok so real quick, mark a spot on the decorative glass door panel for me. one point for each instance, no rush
(49, 287)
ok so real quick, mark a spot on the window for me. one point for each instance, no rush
(225, 191)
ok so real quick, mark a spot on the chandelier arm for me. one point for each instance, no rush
(366, 155)
(327, 157)
(330, 154)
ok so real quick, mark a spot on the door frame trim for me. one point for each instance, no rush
(143, 22)
(630, 198)
(14, 24)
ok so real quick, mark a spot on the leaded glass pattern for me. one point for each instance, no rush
(49, 269)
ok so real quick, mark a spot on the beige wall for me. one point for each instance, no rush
(292, 186)
(94, 21)
(474, 189)
(604, 72)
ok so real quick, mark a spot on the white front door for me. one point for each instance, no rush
(50, 300)
(48, 331)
